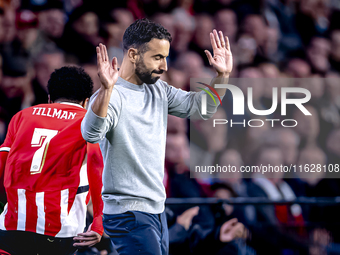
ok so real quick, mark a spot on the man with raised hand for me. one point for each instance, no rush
(128, 117)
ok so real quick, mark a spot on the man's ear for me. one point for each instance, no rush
(49, 99)
(84, 103)
(132, 55)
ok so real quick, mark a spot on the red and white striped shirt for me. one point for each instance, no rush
(49, 170)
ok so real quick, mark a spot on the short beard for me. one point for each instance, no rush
(144, 74)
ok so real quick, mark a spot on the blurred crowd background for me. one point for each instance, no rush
(271, 41)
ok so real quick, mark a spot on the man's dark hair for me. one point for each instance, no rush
(142, 31)
(70, 83)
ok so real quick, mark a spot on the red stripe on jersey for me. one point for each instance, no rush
(52, 213)
(11, 219)
(31, 212)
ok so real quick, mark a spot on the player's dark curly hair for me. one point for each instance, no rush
(70, 83)
(142, 31)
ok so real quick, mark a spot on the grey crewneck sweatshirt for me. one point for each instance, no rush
(132, 140)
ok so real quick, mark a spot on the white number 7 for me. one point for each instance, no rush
(41, 138)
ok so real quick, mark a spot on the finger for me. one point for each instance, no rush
(115, 63)
(87, 234)
(222, 39)
(105, 53)
(217, 39)
(99, 56)
(195, 210)
(209, 56)
(213, 42)
(84, 238)
(227, 43)
(85, 244)
(230, 223)
(102, 51)
(89, 229)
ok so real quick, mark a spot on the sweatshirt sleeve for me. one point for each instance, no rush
(94, 172)
(94, 127)
(188, 104)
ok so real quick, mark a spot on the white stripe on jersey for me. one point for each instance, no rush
(74, 222)
(64, 198)
(5, 149)
(39, 200)
(2, 218)
(21, 210)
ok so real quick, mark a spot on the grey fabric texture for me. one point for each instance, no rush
(132, 139)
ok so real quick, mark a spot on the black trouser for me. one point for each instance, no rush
(28, 243)
(135, 232)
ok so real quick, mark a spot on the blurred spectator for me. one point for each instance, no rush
(271, 45)
(335, 52)
(167, 21)
(226, 21)
(81, 35)
(52, 20)
(298, 68)
(283, 17)
(115, 24)
(246, 49)
(272, 186)
(92, 70)
(176, 125)
(191, 64)
(308, 126)
(311, 159)
(176, 78)
(312, 18)
(16, 91)
(288, 141)
(45, 65)
(27, 34)
(201, 38)
(318, 53)
(254, 25)
(239, 186)
(184, 28)
(227, 215)
(9, 28)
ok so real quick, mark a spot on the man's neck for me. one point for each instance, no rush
(127, 72)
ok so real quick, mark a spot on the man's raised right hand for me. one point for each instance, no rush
(108, 74)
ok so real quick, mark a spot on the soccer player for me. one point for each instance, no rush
(128, 117)
(48, 171)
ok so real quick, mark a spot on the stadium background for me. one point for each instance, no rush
(269, 39)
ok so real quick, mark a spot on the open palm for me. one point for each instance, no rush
(108, 74)
(222, 60)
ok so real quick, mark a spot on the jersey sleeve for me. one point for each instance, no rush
(94, 172)
(9, 140)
